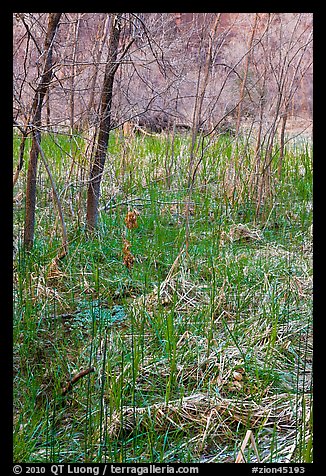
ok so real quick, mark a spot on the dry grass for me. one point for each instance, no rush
(216, 418)
(177, 288)
(212, 416)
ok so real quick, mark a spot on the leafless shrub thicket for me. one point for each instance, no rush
(202, 72)
(261, 57)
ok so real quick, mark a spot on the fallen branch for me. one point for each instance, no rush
(75, 379)
(65, 316)
(141, 199)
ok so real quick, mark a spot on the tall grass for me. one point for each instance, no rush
(189, 350)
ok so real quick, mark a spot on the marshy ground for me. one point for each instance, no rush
(205, 333)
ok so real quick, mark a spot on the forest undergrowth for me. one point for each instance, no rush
(183, 322)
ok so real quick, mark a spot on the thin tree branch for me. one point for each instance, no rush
(57, 200)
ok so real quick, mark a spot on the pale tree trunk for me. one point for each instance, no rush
(282, 135)
(243, 84)
(99, 45)
(40, 93)
(88, 121)
(73, 73)
(200, 94)
(93, 192)
(197, 118)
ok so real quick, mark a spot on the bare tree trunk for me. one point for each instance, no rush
(280, 163)
(243, 85)
(73, 73)
(99, 45)
(24, 132)
(197, 118)
(48, 110)
(58, 203)
(36, 134)
(93, 192)
(200, 94)
(92, 114)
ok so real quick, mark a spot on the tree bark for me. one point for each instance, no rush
(93, 192)
(40, 93)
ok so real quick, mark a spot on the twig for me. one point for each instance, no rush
(65, 316)
(20, 164)
(173, 267)
(75, 379)
(240, 457)
(140, 199)
(58, 203)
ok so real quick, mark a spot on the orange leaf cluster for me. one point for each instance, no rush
(131, 219)
(128, 258)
